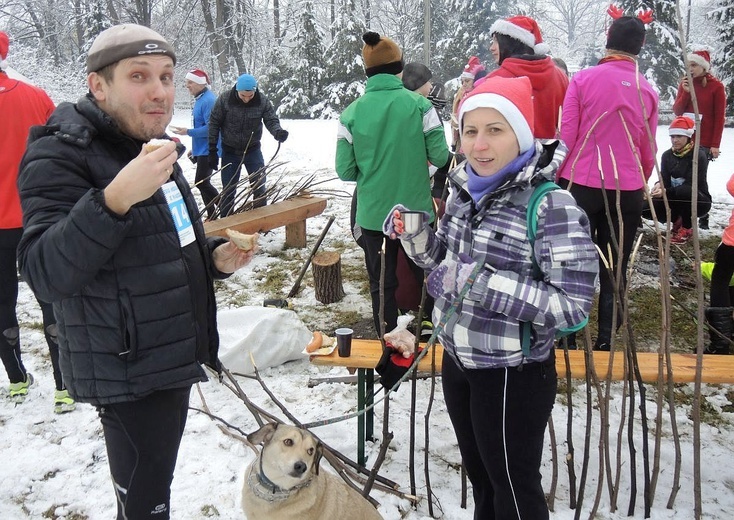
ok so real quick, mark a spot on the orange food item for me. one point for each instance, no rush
(316, 342)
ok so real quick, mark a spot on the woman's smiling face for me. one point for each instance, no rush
(488, 141)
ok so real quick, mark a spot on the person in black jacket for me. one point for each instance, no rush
(676, 170)
(237, 117)
(110, 238)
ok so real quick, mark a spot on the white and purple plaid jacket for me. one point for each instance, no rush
(485, 331)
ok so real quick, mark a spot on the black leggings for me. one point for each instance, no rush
(203, 182)
(142, 439)
(9, 331)
(499, 416)
(721, 275)
(591, 200)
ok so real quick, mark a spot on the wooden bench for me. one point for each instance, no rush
(366, 353)
(291, 213)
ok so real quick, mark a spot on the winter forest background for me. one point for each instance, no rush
(307, 53)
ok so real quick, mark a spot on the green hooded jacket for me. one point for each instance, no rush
(386, 139)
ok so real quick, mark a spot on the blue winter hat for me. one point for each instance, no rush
(246, 82)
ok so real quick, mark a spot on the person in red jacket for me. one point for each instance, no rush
(30, 106)
(711, 100)
(519, 50)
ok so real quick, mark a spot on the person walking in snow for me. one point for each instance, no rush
(111, 239)
(237, 120)
(29, 106)
(197, 83)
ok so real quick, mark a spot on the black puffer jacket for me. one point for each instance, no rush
(136, 311)
(240, 124)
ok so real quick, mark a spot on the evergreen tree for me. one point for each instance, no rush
(723, 13)
(661, 60)
(95, 21)
(344, 67)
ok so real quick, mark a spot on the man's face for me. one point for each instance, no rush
(246, 95)
(139, 97)
(194, 88)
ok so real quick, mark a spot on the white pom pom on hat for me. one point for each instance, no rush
(523, 29)
(511, 97)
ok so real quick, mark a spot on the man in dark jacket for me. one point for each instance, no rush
(238, 117)
(109, 239)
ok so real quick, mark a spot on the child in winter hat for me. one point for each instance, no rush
(415, 75)
(126, 41)
(381, 55)
(4, 46)
(682, 125)
(524, 30)
(511, 97)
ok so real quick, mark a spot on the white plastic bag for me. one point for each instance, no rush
(401, 338)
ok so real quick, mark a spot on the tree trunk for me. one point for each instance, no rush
(327, 277)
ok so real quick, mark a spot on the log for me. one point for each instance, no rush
(327, 276)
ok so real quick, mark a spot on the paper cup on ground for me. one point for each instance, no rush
(412, 220)
(344, 341)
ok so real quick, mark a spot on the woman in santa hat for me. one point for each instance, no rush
(499, 374)
(711, 99)
(519, 50)
(473, 70)
(676, 171)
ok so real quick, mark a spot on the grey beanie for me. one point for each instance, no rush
(126, 41)
(415, 75)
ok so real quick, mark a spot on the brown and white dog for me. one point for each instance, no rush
(284, 481)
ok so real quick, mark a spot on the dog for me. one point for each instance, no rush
(284, 481)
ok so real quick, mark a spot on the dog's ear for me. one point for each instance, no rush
(264, 434)
(317, 457)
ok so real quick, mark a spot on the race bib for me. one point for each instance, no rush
(179, 213)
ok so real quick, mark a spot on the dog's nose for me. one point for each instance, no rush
(299, 467)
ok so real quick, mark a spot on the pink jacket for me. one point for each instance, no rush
(606, 98)
(728, 236)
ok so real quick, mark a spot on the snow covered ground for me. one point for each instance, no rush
(55, 466)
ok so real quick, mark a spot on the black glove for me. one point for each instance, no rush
(213, 161)
(281, 135)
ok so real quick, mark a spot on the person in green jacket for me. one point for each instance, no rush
(386, 139)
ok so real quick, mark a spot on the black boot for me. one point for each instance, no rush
(719, 318)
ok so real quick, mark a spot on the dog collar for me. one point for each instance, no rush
(265, 489)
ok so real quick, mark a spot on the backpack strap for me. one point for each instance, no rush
(539, 191)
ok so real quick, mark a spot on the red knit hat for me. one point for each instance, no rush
(198, 76)
(701, 57)
(511, 97)
(523, 29)
(682, 125)
(472, 67)
(4, 45)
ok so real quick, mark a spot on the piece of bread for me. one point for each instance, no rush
(316, 342)
(154, 144)
(242, 240)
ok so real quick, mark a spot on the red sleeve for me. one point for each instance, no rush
(682, 100)
(719, 109)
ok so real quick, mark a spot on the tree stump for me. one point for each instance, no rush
(327, 276)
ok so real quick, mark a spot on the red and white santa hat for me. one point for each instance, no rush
(4, 45)
(511, 97)
(701, 57)
(472, 67)
(682, 125)
(198, 76)
(524, 29)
